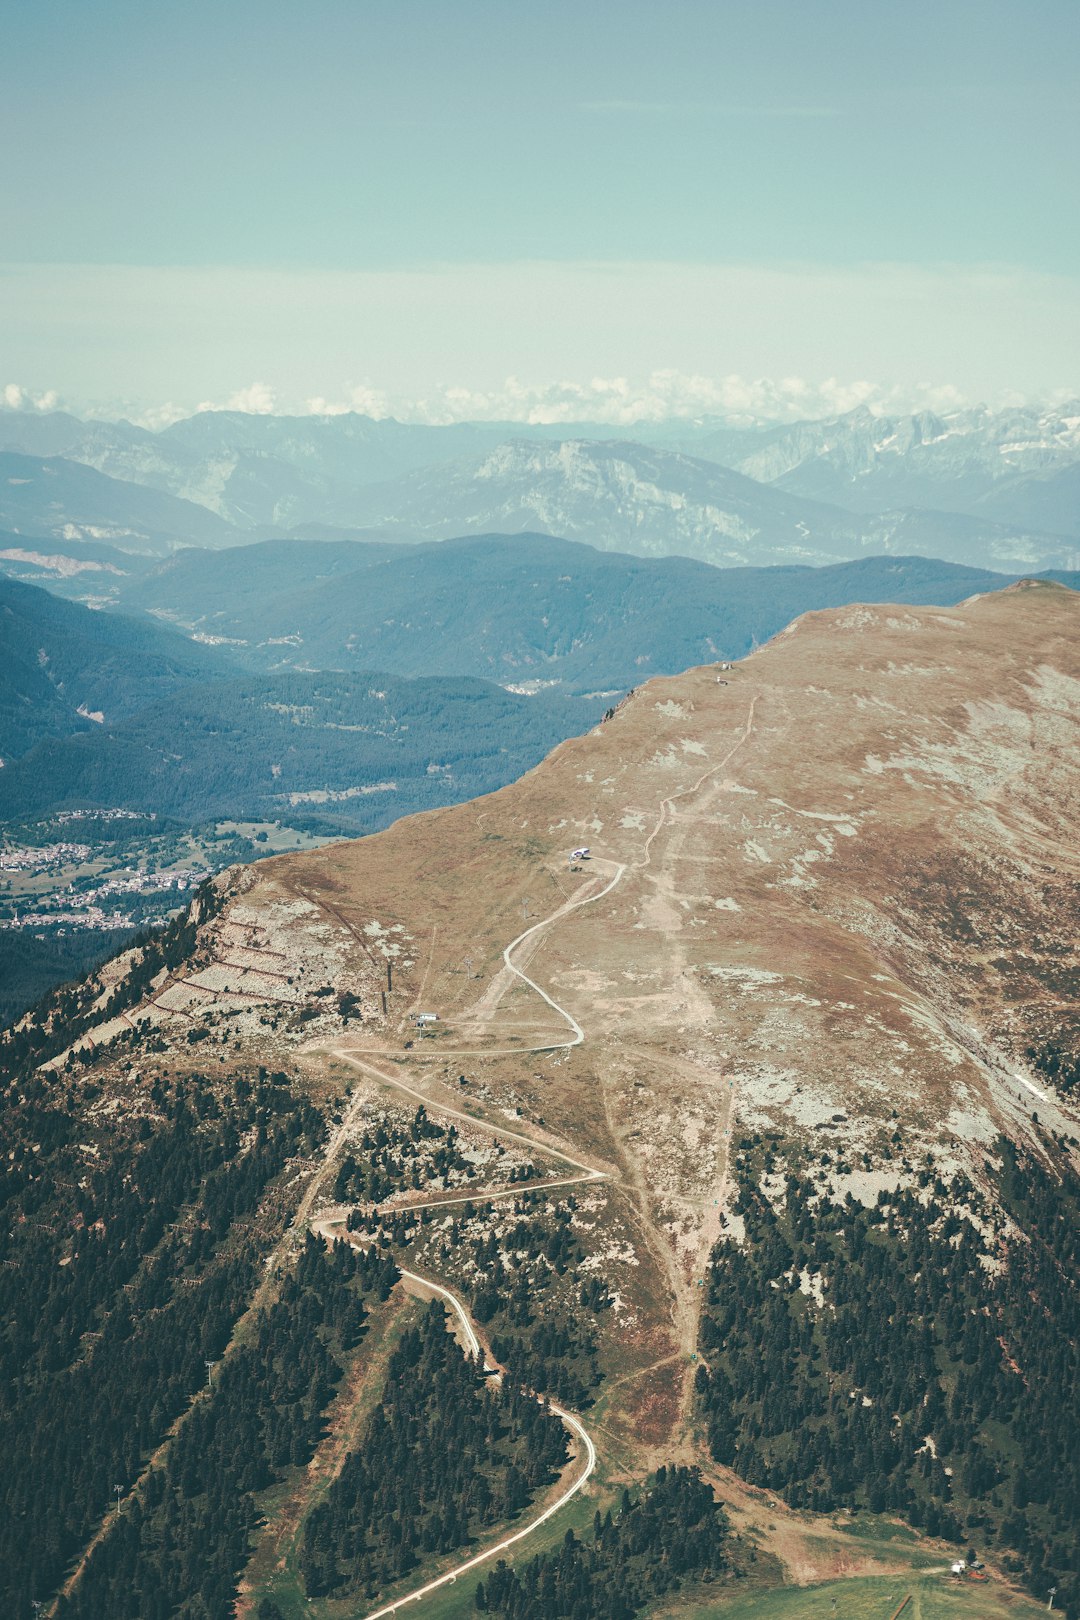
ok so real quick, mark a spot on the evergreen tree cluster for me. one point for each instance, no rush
(31, 963)
(181, 1546)
(1059, 1062)
(673, 1534)
(394, 1158)
(510, 1286)
(939, 1377)
(130, 1244)
(545, 1347)
(447, 1453)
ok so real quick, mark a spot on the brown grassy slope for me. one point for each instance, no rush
(892, 841)
(850, 889)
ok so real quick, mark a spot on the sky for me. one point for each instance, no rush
(453, 207)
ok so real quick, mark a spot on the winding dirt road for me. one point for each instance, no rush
(472, 1345)
(585, 1172)
(474, 1348)
(588, 1173)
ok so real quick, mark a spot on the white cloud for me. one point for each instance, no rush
(366, 401)
(663, 396)
(153, 416)
(17, 398)
(540, 342)
(667, 395)
(257, 399)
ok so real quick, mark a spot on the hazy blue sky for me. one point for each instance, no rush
(424, 194)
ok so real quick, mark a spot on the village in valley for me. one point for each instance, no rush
(102, 871)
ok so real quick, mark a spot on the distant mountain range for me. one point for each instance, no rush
(621, 496)
(1019, 464)
(985, 488)
(530, 612)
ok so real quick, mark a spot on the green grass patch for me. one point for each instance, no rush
(874, 1597)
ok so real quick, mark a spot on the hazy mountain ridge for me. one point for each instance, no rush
(975, 461)
(518, 610)
(988, 486)
(54, 497)
(622, 496)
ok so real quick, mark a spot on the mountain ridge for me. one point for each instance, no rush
(957, 481)
(807, 987)
(618, 495)
(517, 609)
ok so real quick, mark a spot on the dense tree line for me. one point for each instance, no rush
(129, 1248)
(674, 1533)
(447, 1453)
(29, 966)
(525, 1249)
(1059, 1063)
(939, 1377)
(392, 1158)
(179, 1549)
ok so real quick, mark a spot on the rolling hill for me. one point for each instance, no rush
(64, 669)
(529, 611)
(111, 712)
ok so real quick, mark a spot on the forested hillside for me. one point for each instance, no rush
(63, 668)
(516, 609)
(918, 1356)
(350, 751)
(132, 1244)
(444, 1456)
(52, 497)
(672, 1535)
(161, 1385)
